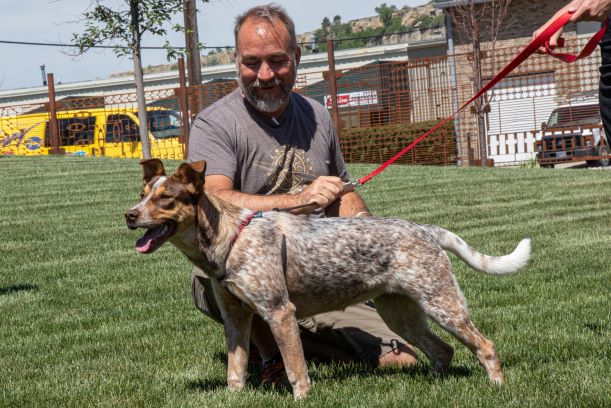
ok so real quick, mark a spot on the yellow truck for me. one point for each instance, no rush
(111, 132)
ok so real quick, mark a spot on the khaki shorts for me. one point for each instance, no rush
(354, 334)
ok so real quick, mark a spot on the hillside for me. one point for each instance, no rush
(412, 23)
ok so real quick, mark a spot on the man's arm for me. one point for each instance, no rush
(320, 193)
(352, 205)
(349, 204)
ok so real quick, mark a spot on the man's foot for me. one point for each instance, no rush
(402, 357)
(273, 373)
(254, 357)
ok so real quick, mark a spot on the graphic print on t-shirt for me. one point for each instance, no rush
(288, 171)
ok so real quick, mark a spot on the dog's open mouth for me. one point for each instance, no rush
(155, 237)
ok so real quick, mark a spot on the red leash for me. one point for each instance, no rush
(542, 40)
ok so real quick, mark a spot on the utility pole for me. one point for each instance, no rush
(194, 62)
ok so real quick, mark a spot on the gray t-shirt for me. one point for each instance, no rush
(263, 155)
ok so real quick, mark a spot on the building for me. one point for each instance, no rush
(531, 92)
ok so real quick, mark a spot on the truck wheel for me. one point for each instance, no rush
(602, 151)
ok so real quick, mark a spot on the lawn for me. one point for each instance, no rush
(86, 321)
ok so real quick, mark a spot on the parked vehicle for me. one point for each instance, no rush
(111, 132)
(573, 132)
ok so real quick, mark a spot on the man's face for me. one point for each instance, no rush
(267, 65)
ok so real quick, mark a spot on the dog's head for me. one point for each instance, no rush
(168, 204)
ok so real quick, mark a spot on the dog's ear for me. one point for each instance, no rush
(192, 173)
(151, 168)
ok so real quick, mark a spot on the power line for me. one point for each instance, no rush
(382, 35)
(93, 46)
(207, 47)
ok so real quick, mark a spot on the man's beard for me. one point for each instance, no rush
(267, 103)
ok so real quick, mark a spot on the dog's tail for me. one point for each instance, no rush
(492, 265)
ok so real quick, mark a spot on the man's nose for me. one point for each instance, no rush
(265, 72)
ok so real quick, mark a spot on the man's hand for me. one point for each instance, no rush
(589, 10)
(322, 191)
(581, 10)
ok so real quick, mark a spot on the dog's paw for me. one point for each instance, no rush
(235, 385)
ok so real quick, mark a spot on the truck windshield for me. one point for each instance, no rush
(569, 116)
(164, 123)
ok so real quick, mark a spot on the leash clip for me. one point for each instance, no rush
(351, 185)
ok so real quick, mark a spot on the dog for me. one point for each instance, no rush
(284, 267)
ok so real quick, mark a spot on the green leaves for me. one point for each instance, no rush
(123, 28)
(386, 13)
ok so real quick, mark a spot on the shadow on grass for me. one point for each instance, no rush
(22, 287)
(344, 371)
(336, 371)
(217, 384)
(208, 384)
(597, 329)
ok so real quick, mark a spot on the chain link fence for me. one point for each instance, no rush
(379, 108)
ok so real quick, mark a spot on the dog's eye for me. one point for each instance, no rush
(165, 197)
(142, 194)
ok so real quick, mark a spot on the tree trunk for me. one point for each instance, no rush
(194, 63)
(478, 82)
(139, 79)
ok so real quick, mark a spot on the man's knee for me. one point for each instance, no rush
(204, 300)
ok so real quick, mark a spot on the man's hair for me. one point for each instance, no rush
(270, 13)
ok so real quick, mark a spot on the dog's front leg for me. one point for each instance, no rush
(237, 321)
(283, 324)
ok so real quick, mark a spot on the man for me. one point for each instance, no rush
(267, 147)
(591, 10)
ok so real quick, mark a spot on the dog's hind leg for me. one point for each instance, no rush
(445, 305)
(461, 326)
(406, 318)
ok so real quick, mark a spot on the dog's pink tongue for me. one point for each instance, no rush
(145, 244)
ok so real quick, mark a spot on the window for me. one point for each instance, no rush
(73, 131)
(516, 81)
(121, 128)
(350, 119)
(379, 117)
(164, 124)
(575, 116)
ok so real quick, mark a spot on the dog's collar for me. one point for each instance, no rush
(245, 221)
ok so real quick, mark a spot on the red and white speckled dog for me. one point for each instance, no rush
(285, 267)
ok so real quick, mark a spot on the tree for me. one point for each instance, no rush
(333, 30)
(125, 28)
(193, 50)
(386, 13)
(326, 23)
(474, 22)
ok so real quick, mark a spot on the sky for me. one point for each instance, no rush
(54, 21)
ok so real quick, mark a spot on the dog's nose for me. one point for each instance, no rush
(131, 216)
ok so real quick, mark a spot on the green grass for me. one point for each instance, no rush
(86, 321)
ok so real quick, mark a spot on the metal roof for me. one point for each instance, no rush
(345, 59)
